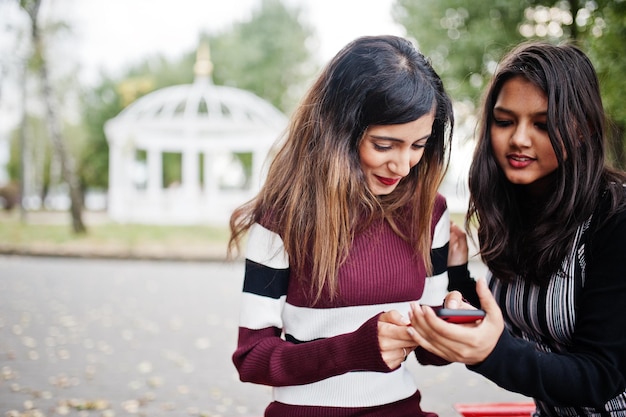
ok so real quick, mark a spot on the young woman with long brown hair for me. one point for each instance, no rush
(347, 230)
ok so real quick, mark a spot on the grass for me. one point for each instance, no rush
(51, 233)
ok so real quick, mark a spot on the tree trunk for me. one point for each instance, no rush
(23, 149)
(574, 8)
(58, 142)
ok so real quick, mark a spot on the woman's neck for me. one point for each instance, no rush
(540, 191)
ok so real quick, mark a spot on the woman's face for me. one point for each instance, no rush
(388, 152)
(519, 134)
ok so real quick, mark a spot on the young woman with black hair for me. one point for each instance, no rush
(551, 225)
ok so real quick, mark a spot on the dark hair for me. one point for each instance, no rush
(516, 239)
(384, 80)
(381, 81)
(316, 193)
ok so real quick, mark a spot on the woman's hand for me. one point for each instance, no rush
(394, 341)
(457, 249)
(466, 343)
(454, 300)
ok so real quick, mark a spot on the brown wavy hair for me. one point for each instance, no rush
(519, 236)
(315, 195)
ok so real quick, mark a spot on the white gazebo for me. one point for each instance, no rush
(219, 137)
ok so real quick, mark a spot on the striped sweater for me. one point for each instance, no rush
(325, 360)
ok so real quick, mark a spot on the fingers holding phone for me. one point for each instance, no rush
(469, 341)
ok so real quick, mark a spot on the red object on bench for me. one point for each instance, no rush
(522, 409)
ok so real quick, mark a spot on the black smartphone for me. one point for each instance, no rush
(460, 316)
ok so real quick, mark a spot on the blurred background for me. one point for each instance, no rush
(163, 112)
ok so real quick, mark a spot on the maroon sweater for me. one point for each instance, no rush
(324, 360)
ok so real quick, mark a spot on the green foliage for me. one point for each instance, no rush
(465, 39)
(172, 168)
(266, 55)
(607, 50)
(99, 105)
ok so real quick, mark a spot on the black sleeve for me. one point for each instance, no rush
(459, 279)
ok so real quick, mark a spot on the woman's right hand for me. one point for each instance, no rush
(466, 343)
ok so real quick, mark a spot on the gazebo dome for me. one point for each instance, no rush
(201, 105)
(221, 134)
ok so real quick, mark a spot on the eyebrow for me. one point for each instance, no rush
(392, 139)
(507, 111)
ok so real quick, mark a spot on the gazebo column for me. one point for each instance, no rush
(258, 158)
(210, 176)
(191, 173)
(118, 179)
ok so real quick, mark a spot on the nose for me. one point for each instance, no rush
(401, 163)
(521, 136)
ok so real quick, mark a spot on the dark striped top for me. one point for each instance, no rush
(566, 341)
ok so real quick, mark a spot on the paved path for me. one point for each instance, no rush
(111, 338)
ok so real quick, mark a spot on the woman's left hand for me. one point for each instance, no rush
(466, 343)
(457, 247)
(394, 341)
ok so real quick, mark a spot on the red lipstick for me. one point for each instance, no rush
(388, 181)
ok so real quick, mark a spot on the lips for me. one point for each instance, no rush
(519, 161)
(387, 181)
